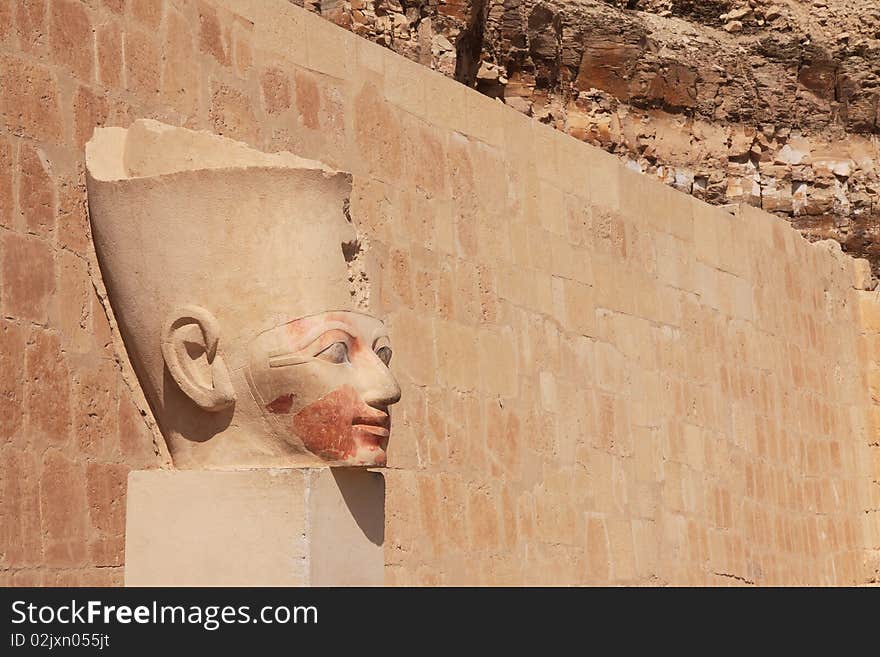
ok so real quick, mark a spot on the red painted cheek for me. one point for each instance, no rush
(325, 426)
(281, 405)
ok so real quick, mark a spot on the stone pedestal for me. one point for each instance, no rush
(296, 527)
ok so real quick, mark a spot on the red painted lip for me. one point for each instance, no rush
(377, 420)
(378, 432)
(373, 425)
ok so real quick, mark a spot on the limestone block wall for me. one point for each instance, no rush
(870, 353)
(604, 380)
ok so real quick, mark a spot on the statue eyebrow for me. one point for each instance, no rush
(284, 358)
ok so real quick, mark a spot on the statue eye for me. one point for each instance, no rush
(335, 353)
(384, 354)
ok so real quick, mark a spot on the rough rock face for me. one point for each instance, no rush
(775, 103)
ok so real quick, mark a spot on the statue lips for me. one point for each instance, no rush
(375, 422)
(372, 429)
(340, 425)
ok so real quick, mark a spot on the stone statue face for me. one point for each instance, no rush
(324, 381)
(227, 274)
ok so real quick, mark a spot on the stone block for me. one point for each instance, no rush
(64, 511)
(331, 49)
(108, 55)
(21, 537)
(147, 12)
(30, 104)
(30, 25)
(181, 74)
(71, 41)
(36, 193)
(232, 114)
(47, 390)
(12, 381)
(321, 527)
(143, 63)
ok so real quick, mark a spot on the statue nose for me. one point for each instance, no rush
(380, 388)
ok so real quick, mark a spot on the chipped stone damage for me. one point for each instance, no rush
(359, 283)
(354, 253)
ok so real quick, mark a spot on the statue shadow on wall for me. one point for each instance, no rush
(364, 495)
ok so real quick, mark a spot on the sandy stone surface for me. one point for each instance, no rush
(604, 380)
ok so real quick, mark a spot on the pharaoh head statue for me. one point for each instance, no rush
(226, 271)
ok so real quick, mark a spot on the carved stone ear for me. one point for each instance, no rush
(190, 336)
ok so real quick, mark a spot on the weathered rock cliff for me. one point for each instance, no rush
(775, 103)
